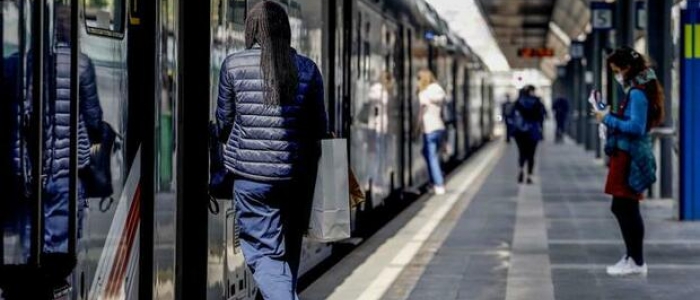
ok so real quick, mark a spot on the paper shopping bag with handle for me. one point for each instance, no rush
(330, 214)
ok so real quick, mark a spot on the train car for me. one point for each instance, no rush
(134, 243)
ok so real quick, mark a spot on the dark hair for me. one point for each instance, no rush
(626, 57)
(62, 23)
(267, 25)
(527, 90)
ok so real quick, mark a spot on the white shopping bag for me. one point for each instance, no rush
(330, 212)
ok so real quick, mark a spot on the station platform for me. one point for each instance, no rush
(490, 238)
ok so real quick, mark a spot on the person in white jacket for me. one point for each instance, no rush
(432, 99)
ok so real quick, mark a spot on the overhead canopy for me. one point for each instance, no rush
(496, 29)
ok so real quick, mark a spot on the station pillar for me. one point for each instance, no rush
(659, 35)
(689, 112)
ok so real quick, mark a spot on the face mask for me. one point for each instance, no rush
(620, 79)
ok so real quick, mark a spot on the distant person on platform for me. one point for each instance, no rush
(507, 112)
(561, 116)
(528, 118)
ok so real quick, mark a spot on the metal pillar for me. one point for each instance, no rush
(597, 67)
(660, 49)
(580, 105)
(624, 35)
(589, 121)
(570, 82)
(689, 203)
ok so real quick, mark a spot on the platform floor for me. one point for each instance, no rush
(490, 238)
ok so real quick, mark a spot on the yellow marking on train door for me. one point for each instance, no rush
(688, 33)
(132, 10)
(697, 40)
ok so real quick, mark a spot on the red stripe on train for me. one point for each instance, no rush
(126, 242)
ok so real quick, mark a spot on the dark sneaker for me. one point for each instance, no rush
(520, 177)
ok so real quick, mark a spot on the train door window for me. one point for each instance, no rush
(105, 17)
(359, 45)
(235, 11)
(366, 54)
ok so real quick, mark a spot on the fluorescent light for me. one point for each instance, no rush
(465, 19)
(559, 33)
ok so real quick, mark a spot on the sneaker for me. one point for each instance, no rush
(520, 177)
(440, 190)
(529, 180)
(629, 267)
(616, 267)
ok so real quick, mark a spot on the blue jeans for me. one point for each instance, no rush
(272, 219)
(55, 201)
(431, 146)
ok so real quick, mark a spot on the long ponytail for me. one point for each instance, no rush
(267, 25)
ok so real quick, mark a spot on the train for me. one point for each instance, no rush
(369, 52)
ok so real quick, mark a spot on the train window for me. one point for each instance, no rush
(105, 17)
(236, 12)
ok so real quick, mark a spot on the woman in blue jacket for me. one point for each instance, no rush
(271, 111)
(632, 165)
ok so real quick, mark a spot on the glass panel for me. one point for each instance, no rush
(109, 251)
(15, 20)
(165, 205)
(105, 17)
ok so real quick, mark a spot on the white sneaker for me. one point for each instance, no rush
(440, 190)
(629, 267)
(618, 266)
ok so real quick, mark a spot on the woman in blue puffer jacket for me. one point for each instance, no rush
(271, 109)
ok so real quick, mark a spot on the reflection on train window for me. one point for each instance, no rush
(105, 17)
(237, 10)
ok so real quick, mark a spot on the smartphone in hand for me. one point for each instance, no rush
(596, 100)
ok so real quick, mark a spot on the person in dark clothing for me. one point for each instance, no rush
(561, 116)
(55, 197)
(271, 102)
(629, 146)
(528, 118)
(507, 112)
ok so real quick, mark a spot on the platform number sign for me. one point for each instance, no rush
(601, 15)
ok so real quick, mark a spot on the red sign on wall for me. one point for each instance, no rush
(535, 52)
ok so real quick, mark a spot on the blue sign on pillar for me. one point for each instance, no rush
(601, 15)
(689, 110)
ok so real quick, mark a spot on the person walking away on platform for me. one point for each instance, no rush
(528, 118)
(561, 116)
(271, 112)
(507, 113)
(632, 164)
(432, 99)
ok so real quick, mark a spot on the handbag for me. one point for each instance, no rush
(330, 210)
(97, 177)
